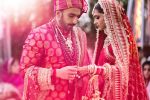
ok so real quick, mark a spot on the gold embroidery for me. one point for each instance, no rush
(108, 80)
(92, 69)
(44, 79)
(28, 72)
(93, 89)
(96, 46)
(118, 42)
(106, 42)
(76, 32)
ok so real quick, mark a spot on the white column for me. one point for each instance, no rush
(130, 9)
(7, 43)
(143, 24)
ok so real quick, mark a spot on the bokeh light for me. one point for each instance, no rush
(16, 5)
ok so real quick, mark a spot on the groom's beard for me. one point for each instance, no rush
(67, 27)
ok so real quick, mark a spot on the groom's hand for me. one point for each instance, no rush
(83, 70)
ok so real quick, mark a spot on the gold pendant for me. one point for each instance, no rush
(69, 43)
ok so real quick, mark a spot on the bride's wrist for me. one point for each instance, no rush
(92, 69)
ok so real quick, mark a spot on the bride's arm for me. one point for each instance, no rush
(91, 69)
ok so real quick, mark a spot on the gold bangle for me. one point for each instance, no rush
(92, 69)
(106, 71)
(95, 69)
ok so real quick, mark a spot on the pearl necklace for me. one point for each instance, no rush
(67, 40)
(71, 55)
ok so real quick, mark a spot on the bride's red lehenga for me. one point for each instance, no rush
(116, 52)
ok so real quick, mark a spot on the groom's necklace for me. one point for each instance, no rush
(67, 40)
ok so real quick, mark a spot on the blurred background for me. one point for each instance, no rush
(18, 17)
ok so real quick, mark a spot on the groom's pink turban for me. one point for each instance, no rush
(65, 4)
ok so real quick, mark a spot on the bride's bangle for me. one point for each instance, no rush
(107, 71)
(92, 69)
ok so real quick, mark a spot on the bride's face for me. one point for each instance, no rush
(99, 21)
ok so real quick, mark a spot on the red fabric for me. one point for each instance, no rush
(123, 78)
(133, 87)
(53, 77)
(42, 50)
(136, 89)
(102, 59)
(100, 44)
(65, 4)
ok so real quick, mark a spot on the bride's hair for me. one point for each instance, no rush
(98, 8)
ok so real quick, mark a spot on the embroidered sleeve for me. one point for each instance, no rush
(36, 77)
(84, 56)
(111, 75)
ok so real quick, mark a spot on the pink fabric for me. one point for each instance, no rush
(65, 4)
(7, 77)
(41, 50)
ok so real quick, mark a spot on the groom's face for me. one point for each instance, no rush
(69, 17)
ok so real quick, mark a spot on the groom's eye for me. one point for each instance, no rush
(97, 17)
